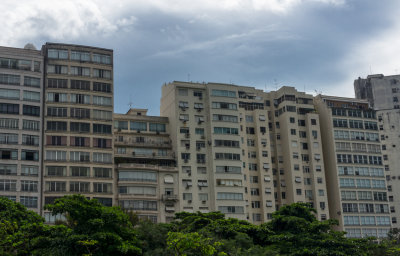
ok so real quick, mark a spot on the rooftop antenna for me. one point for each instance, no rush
(276, 84)
(130, 101)
(188, 77)
(370, 70)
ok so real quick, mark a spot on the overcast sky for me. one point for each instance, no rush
(313, 45)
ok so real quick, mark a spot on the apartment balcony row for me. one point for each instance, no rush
(146, 166)
(143, 143)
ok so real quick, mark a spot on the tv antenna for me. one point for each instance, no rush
(130, 103)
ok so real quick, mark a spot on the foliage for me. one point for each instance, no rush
(94, 229)
(19, 228)
(192, 244)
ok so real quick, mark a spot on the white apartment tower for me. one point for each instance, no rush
(78, 148)
(21, 77)
(245, 152)
(383, 94)
(354, 166)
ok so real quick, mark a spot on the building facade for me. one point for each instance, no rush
(354, 166)
(78, 133)
(383, 93)
(245, 152)
(147, 179)
(21, 77)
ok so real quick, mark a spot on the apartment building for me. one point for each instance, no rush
(78, 133)
(383, 93)
(147, 179)
(297, 153)
(245, 152)
(21, 79)
(354, 166)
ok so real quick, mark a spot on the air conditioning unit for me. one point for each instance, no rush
(189, 201)
(204, 201)
(203, 137)
(185, 160)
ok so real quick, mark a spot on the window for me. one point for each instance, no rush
(139, 126)
(225, 118)
(80, 98)
(223, 93)
(78, 156)
(102, 101)
(57, 69)
(53, 155)
(80, 56)
(9, 94)
(6, 108)
(29, 201)
(101, 143)
(9, 79)
(81, 113)
(228, 169)
(344, 182)
(231, 209)
(101, 58)
(8, 123)
(80, 85)
(102, 187)
(224, 105)
(29, 186)
(102, 158)
(56, 171)
(79, 171)
(10, 154)
(80, 127)
(349, 207)
(57, 112)
(57, 54)
(227, 156)
(157, 127)
(31, 110)
(349, 195)
(143, 205)
(55, 186)
(79, 71)
(57, 83)
(229, 196)
(8, 169)
(56, 97)
(226, 130)
(102, 128)
(103, 172)
(76, 186)
(144, 176)
(339, 123)
(351, 220)
(29, 155)
(102, 73)
(101, 87)
(8, 138)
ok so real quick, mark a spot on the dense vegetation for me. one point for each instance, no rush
(92, 229)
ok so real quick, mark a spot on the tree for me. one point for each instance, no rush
(298, 232)
(19, 228)
(93, 229)
(193, 244)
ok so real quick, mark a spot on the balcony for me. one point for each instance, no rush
(173, 198)
(143, 143)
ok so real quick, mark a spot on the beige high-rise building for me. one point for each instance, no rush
(21, 89)
(78, 134)
(383, 93)
(354, 166)
(147, 179)
(245, 152)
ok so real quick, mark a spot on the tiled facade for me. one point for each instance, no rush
(147, 179)
(21, 79)
(78, 133)
(354, 166)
